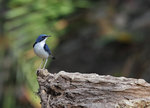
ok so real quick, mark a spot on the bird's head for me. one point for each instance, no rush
(42, 37)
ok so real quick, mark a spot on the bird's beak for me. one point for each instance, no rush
(48, 35)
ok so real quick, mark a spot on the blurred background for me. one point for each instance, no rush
(90, 36)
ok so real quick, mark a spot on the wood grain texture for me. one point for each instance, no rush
(76, 90)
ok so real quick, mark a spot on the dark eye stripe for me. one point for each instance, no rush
(44, 37)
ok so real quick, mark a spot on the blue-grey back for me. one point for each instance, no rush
(47, 49)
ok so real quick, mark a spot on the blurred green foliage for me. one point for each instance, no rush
(20, 23)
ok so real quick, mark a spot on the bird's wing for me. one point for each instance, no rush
(34, 44)
(47, 49)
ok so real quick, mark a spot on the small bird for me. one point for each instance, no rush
(41, 49)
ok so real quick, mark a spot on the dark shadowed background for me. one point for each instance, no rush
(89, 36)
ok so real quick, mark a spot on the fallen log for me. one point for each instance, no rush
(76, 90)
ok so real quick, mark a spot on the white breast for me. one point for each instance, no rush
(39, 50)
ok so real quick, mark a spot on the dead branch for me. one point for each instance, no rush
(76, 90)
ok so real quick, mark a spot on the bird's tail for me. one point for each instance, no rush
(52, 57)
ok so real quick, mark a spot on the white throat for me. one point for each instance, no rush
(42, 43)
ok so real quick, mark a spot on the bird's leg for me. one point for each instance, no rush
(45, 63)
(41, 64)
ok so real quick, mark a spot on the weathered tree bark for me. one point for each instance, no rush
(76, 90)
